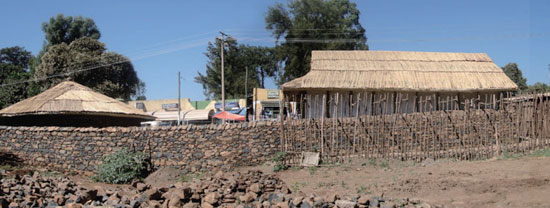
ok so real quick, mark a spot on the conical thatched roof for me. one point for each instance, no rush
(402, 71)
(71, 98)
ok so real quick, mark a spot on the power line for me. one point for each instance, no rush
(198, 42)
(96, 66)
(63, 74)
(415, 27)
(161, 51)
(492, 37)
(150, 47)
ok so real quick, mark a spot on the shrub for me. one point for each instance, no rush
(312, 170)
(123, 167)
(279, 160)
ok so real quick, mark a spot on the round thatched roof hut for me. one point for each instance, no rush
(71, 104)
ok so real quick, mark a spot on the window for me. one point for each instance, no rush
(141, 106)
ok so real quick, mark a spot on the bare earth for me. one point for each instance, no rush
(519, 182)
(523, 182)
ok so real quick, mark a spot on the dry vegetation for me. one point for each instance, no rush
(511, 180)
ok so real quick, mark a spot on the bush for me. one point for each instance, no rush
(279, 160)
(123, 167)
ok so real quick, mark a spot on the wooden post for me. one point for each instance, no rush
(357, 104)
(323, 127)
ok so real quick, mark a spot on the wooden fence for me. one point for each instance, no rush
(514, 124)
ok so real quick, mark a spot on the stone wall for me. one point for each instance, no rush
(190, 148)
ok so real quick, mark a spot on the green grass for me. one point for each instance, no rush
(344, 185)
(508, 155)
(541, 153)
(321, 184)
(361, 190)
(538, 153)
(296, 186)
(312, 170)
(384, 164)
(6, 167)
(49, 173)
(190, 177)
(372, 162)
(295, 168)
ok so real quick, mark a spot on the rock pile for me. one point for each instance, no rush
(250, 189)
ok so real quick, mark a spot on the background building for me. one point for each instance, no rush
(72, 104)
(192, 112)
(394, 82)
(266, 103)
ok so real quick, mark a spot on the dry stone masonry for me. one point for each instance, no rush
(190, 148)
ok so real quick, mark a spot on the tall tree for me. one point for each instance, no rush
(140, 91)
(261, 61)
(87, 62)
(234, 69)
(512, 70)
(61, 29)
(14, 71)
(308, 25)
(538, 87)
(66, 29)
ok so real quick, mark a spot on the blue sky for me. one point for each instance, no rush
(164, 37)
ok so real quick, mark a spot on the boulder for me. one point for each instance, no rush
(345, 204)
(255, 187)
(212, 198)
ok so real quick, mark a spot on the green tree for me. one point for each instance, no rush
(308, 25)
(61, 29)
(514, 73)
(14, 72)
(234, 71)
(87, 62)
(237, 58)
(140, 91)
(261, 61)
(538, 87)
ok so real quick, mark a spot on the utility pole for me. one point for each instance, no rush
(246, 93)
(179, 99)
(223, 71)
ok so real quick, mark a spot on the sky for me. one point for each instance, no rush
(164, 37)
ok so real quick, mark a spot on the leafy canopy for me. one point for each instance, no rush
(87, 62)
(538, 88)
(308, 25)
(15, 63)
(237, 58)
(514, 73)
(61, 29)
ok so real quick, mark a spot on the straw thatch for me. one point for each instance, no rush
(71, 98)
(402, 71)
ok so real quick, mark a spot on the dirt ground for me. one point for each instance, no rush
(511, 182)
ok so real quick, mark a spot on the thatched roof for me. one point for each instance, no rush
(71, 98)
(402, 71)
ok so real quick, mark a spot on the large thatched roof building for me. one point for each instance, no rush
(410, 74)
(71, 104)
